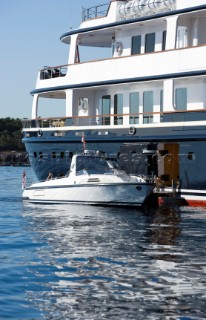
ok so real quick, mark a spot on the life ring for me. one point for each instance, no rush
(84, 105)
(40, 133)
(119, 48)
(132, 130)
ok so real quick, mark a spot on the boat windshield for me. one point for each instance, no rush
(92, 165)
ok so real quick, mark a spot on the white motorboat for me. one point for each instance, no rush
(92, 179)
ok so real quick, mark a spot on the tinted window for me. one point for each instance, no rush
(161, 101)
(164, 35)
(161, 104)
(181, 98)
(134, 107)
(118, 108)
(150, 42)
(106, 102)
(148, 106)
(136, 45)
(92, 165)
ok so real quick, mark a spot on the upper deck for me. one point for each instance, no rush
(132, 30)
(147, 51)
(115, 13)
(114, 24)
(94, 12)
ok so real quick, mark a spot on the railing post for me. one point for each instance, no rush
(173, 187)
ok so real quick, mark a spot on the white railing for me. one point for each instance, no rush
(116, 119)
(53, 72)
(95, 12)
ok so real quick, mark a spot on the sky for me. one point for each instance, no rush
(30, 32)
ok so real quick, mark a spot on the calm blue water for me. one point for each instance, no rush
(82, 262)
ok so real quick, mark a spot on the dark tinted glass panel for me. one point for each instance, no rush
(148, 101)
(106, 102)
(148, 106)
(150, 42)
(136, 45)
(134, 102)
(161, 101)
(161, 104)
(181, 98)
(118, 108)
(164, 35)
(134, 108)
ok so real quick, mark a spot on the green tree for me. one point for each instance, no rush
(10, 134)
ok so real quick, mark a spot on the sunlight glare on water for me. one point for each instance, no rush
(84, 262)
(106, 262)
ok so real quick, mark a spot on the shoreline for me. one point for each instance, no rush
(14, 158)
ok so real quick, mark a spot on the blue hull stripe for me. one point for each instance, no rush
(127, 204)
(120, 139)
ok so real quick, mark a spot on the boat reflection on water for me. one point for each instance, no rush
(164, 233)
(117, 263)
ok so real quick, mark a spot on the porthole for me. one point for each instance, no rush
(132, 130)
(40, 133)
(190, 156)
(119, 48)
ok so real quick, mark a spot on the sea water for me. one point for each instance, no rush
(83, 262)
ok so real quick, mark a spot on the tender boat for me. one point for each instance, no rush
(135, 86)
(92, 179)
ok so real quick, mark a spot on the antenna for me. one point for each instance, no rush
(70, 14)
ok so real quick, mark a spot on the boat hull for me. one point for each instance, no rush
(183, 197)
(121, 194)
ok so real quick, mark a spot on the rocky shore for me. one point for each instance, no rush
(14, 158)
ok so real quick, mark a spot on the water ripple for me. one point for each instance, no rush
(84, 262)
(119, 264)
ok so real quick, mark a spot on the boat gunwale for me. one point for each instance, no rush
(88, 184)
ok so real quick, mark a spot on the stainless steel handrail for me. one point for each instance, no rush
(95, 12)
